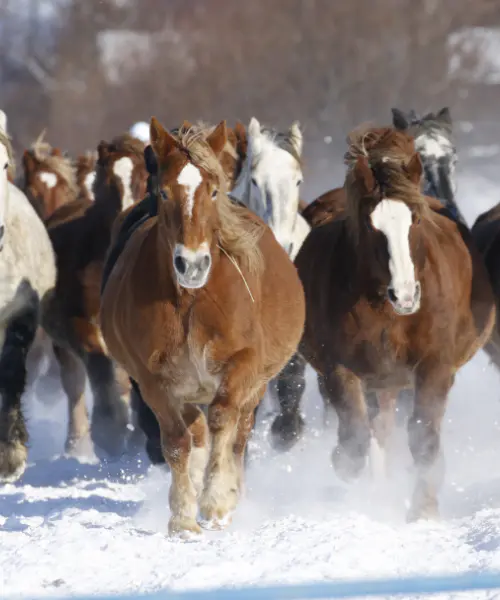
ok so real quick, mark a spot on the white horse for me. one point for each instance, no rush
(269, 182)
(27, 273)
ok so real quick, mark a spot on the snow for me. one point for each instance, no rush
(72, 528)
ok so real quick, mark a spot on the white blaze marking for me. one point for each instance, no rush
(393, 218)
(50, 179)
(190, 178)
(123, 168)
(89, 183)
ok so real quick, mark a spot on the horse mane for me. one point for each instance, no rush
(283, 141)
(5, 139)
(60, 165)
(204, 129)
(388, 152)
(127, 144)
(239, 232)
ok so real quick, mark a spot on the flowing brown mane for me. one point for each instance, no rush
(388, 152)
(127, 144)
(6, 141)
(60, 165)
(239, 231)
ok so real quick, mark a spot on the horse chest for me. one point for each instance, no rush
(189, 376)
(377, 353)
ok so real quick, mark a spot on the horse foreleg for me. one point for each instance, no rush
(424, 429)
(110, 413)
(181, 432)
(382, 425)
(235, 398)
(288, 426)
(345, 392)
(18, 337)
(144, 420)
(78, 442)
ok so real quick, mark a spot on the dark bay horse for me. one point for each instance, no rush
(396, 296)
(203, 306)
(80, 233)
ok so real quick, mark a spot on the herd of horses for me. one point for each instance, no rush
(183, 276)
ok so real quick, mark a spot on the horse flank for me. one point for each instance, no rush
(60, 165)
(239, 231)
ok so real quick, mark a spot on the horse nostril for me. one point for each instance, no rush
(392, 295)
(180, 265)
(205, 262)
(2, 231)
(417, 290)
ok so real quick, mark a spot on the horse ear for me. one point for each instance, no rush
(415, 169)
(254, 128)
(28, 162)
(161, 140)
(241, 136)
(296, 137)
(444, 116)
(399, 119)
(102, 152)
(364, 174)
(3, 122)
(218, 138)
(186, 125)
(150, 160)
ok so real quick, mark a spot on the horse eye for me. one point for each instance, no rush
(214, 194)
(6, 166)
(163, 194)
(254, 181)
(299, 182)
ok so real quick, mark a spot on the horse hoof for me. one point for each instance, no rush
(110, 435)
(428, 512)
(186, 530)
(81, 448)
(216, 523)
(347, 468)
(13, 457)
(286, 431)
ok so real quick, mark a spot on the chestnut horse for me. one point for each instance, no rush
(396, 295)
(433, 134)
(49, 178)
(80, 233)
(203, 306)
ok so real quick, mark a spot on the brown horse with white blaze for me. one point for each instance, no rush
(396, 295)
(203, 306)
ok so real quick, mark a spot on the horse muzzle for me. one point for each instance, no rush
(405, 299)
(192, 267)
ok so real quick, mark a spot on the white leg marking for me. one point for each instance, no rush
(377, 460)
(123, 168)
(49, 179)
(89, 184)
(190, 178)
(393, 218)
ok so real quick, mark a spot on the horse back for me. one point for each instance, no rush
(325, 208)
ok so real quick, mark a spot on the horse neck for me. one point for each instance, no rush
(108, 198)
(439, 184)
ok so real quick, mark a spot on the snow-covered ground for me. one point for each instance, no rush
(70, 528)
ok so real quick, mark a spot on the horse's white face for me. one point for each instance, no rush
(4, 181)
(275, 177)
(393, 218)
